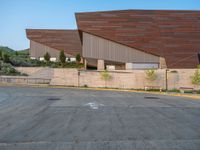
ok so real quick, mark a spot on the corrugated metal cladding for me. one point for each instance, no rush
(99, 48)
(38, 50)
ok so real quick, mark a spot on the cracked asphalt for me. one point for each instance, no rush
(74, 119)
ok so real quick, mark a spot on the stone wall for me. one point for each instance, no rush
(29, 70)
(135, 79)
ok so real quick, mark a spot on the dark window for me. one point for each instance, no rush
(199, 57)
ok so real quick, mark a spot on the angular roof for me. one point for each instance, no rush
(173, 34)
(67, 40)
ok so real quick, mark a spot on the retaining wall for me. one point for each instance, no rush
(135, 79)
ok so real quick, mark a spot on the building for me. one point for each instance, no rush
(141, 38)
(53, 41)
(137, 39)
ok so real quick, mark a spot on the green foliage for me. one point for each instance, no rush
(151, 75)
(62, 58)
(105, 75)
(198, 67)
(1, 55)
(6, 58)
(174, 90)
(78, 58)
(8, 69)
(7, 50)
(47, 57)
(196, 77)
(173, 71)
(22, 59)
(16, 53)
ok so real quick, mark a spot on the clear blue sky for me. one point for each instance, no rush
(17, 15)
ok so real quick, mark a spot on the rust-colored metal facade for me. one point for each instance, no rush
(67, 40)
(172, 34)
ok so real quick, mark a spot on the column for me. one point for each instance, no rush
(100, 65)
(85, 64)
(129, 66)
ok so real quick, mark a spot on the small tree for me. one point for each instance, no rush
(47, 57)
(6, 58)
(106, 76)
(62, 58)
(151, 75)
(196, 77)
(78, 58)
(16, 53)
(0, 55)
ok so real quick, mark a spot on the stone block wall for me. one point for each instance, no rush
(135, 79)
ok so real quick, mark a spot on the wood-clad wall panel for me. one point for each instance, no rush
(99, 48)
(38, 50)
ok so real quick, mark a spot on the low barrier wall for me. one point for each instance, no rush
(23, 80)
(135, 79)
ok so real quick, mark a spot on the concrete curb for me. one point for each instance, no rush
(102, 89)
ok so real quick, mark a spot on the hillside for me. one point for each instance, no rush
(10, 51)
(6, 50)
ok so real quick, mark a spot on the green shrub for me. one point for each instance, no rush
(106, 76)
(78, 58)
(6, 58)
(1, 55)
(173, 71)
(151, 75)
(196, 77)
(174, 90)
(62, 58)
(47, 57)
(7, 69)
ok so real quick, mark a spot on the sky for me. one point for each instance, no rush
(18, 15)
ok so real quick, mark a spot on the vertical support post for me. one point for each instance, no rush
(100, 65)
(166, 79)
(78, 78)
(85, 64)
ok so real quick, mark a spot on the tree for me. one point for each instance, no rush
(151, 75)
(105, 76)
(78, 58)
(62, 58)
(1, 55)
(16, 53)
(47, 57)
(6, 58)
(196, 77)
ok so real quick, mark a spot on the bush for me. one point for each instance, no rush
(0, 55)
(78, 58)
(7, 69)
(47, 57)
(196, 77)
(151, 75)
(174, 90)
(62, 58)
(105, 75)
(20, 62)
(6, 58)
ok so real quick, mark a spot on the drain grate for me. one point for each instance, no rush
(53, 99)
(151, 97)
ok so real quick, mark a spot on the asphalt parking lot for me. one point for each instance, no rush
(74, 119)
